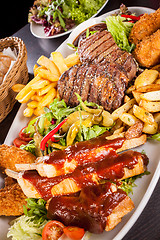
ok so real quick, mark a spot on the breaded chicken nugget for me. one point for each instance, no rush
(11, 155)
(148, 24)
(12, 198)
(147, 52)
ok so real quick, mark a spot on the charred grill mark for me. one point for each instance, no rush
(86, 54)
(69, 83)
(83, 44)
(62, 83)
(87, 81)
(78, 83)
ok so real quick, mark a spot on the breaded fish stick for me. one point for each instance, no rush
(12, 198)
(147, 52)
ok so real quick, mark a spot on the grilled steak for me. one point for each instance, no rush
(101, 46)
(102, 83)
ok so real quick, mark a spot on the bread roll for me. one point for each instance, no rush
(5, 62)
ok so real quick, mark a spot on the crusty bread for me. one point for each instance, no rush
(5, 62)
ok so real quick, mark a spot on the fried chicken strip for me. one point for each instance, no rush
(147, 52)
(147, 25)
(10, 155)
(12, 198)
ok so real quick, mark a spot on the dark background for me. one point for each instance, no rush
(14, 14)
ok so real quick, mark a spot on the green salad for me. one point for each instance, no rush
(57, 16)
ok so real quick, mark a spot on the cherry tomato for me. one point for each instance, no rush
(18, 142)
(52, 230)
(74, 233)
(24, 136)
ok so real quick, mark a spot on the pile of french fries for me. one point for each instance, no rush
(144, 107)
(42, 89)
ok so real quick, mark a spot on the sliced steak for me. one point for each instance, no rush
(104, 84)
(100, 46)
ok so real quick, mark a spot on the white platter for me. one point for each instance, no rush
(38, 31)
(145, 185)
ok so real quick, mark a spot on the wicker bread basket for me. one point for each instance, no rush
(18, 74)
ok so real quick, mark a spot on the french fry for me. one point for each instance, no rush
(34, 69)
(38, 111)
(128, 119)
(27, 97)
(46, 74)
(146, 77)
(158, 81)
(28, 112)
(39, 84)
(18, 87)
(27, 88)
(149, 88)
(157, 118)
(58, 59)
(130, 89)
(150, 128)
(116, 135)
(36, 98)
(32, 104)
(157, 67)
(126, 98)
(49, 64)
(46, 89)
(143, 115)
(132, 143)
(72, 60)
(57, 95)
(47, 98)
(37, 69)
(124, 108)
(151, 96)
(150, 106)
(137, 95)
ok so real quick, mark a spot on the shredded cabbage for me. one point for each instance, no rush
(24, 228)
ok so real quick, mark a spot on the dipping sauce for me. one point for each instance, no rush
(97, 27)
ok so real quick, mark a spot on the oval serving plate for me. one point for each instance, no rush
(38, 31)
(145, 185)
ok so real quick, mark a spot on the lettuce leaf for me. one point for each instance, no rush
(120, 29)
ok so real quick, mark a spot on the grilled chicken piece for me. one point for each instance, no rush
(95, 208)
(115, 166)
(11, 155)
(65, 161)
(147, 25)
(12, 198)
(47, 166)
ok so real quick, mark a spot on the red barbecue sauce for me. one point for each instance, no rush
(87, 209)
(109, 168)
(84, 152)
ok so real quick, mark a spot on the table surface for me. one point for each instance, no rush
(147, 226)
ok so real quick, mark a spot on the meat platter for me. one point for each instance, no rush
(144, 187)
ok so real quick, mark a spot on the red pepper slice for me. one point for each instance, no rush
(135, 18)
(50, 134)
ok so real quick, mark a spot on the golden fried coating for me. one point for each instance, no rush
(147, 52)
(148, 24)
(12, 198)
(10, 155)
